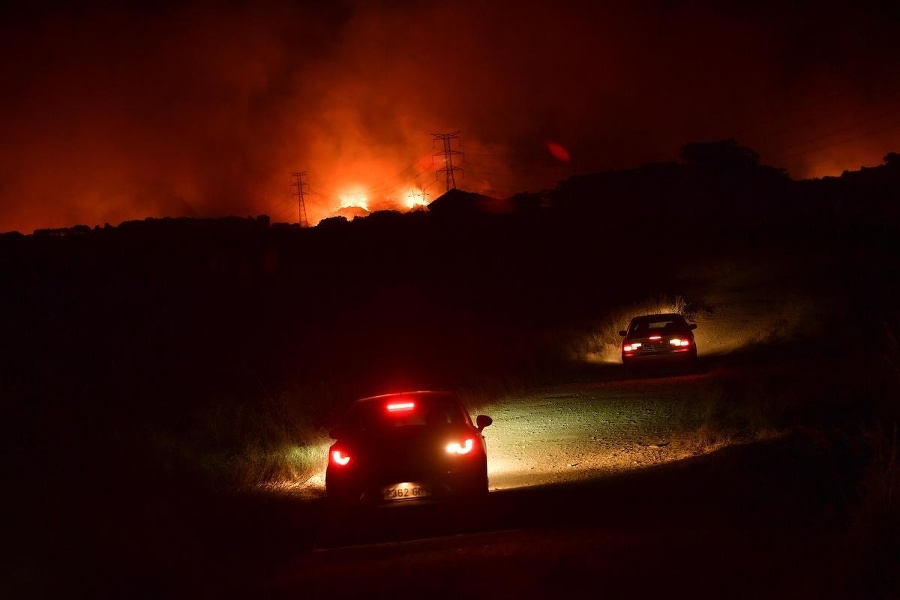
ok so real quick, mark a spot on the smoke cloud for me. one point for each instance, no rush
(204, 109)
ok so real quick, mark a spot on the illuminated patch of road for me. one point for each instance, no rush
(592, 431)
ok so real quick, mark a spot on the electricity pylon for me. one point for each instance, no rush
(449, 170)
(300, 183)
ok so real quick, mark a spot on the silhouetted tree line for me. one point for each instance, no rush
(723, 183)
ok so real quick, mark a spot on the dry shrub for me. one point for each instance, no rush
(245, 444)
(709, 438)
(875, 524)
(728, 410)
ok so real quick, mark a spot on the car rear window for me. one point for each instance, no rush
(657, 325)
(394, 413)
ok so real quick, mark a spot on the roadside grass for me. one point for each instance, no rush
(242, 444)
(144, 495)
(874, 526)
(745, 409)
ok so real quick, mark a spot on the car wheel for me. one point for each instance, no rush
(688, 364)
(342, 497)
(477, 485)
(475, 498)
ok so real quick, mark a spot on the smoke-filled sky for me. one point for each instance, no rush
(204, 109)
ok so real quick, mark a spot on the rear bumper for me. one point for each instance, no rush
(673, 356)
(442, 486)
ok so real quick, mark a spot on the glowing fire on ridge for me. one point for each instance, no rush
(354, 198)
(416, 198)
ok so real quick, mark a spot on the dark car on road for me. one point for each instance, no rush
(407, 446)
(659, 338)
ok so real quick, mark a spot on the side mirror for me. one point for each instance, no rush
(623, 333)
(693, 326)
(482, 421)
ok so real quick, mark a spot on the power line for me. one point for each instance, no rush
(841, 141)
(389, 185)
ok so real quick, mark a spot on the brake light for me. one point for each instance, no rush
(339, 458)
(400, 406)
(655, 337)
(457, 448)
(680, 342)
(632, 346)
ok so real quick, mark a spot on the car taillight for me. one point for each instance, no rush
(339, 457)
(631, 347)
(680, 342)
(464, 448)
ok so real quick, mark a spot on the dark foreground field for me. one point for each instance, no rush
(156, 389)
(772, 519)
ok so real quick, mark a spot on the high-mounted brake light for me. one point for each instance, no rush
(340, 458)
(397, 406)
(655, 337)
(464, 448)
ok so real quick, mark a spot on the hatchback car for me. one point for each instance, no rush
(408, 446)
(658, 338)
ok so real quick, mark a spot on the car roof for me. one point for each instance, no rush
(659, 317)
(417, 394)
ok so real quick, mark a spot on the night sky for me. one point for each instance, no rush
(203, 109)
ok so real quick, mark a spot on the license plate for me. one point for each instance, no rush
(406, 491)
